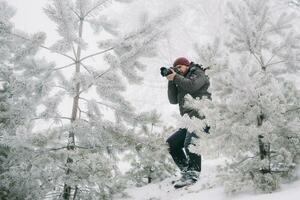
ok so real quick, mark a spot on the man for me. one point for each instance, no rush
(189, 79)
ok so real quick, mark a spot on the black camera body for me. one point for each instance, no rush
(166, 71)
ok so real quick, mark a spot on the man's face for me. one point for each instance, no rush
(183, 69)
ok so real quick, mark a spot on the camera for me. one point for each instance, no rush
(166, 71)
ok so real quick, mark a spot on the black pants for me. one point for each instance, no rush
(189, 161)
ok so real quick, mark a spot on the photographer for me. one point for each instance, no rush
(185, 78)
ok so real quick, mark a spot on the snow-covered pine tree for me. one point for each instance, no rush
(294, 2)
(78, 160)
(149, 159)
(24, 82)
(21, 87)
(254, 112)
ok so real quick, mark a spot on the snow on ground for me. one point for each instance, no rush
(205, 190)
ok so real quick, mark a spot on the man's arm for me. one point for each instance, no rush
(172, 92)
(192, 84)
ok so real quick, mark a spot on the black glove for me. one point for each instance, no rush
(206, 129)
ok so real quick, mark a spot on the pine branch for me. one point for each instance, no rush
(44, 47)
(262, 61)
(81, 111)
(59, 86)
(52, 195)
(38, 118)
(251, 157)
(294, 3)
(271, 58)
(150, 40)
(257, 59)
(87, 114)
(101, 103)
(5, 65)
(66, 66)
(74, 11)
(96, 79)
(93, 147)
(56, 149)
(274, 63)
(95, 54)
(291, 110)
(86, 68)
(95, 7)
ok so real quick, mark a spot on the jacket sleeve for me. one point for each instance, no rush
(172, 92)
(193, 83)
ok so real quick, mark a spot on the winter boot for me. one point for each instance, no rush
(182, 178)
(188, 178)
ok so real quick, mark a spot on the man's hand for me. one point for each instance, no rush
(170, 77)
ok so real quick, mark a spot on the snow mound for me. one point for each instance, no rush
(205, 189)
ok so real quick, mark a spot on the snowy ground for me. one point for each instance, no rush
(204, 189)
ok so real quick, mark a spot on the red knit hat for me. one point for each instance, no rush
(181, 61)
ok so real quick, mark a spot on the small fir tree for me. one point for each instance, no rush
(79, 159)
(254, 112)
(24, 83)
(149, 159)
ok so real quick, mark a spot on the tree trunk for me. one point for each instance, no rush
(264, 152)
(71, 140)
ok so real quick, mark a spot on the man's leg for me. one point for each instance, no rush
(194, 162)
(176, 144)
(192, 172)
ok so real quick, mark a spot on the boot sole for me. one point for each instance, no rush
(186, 185)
